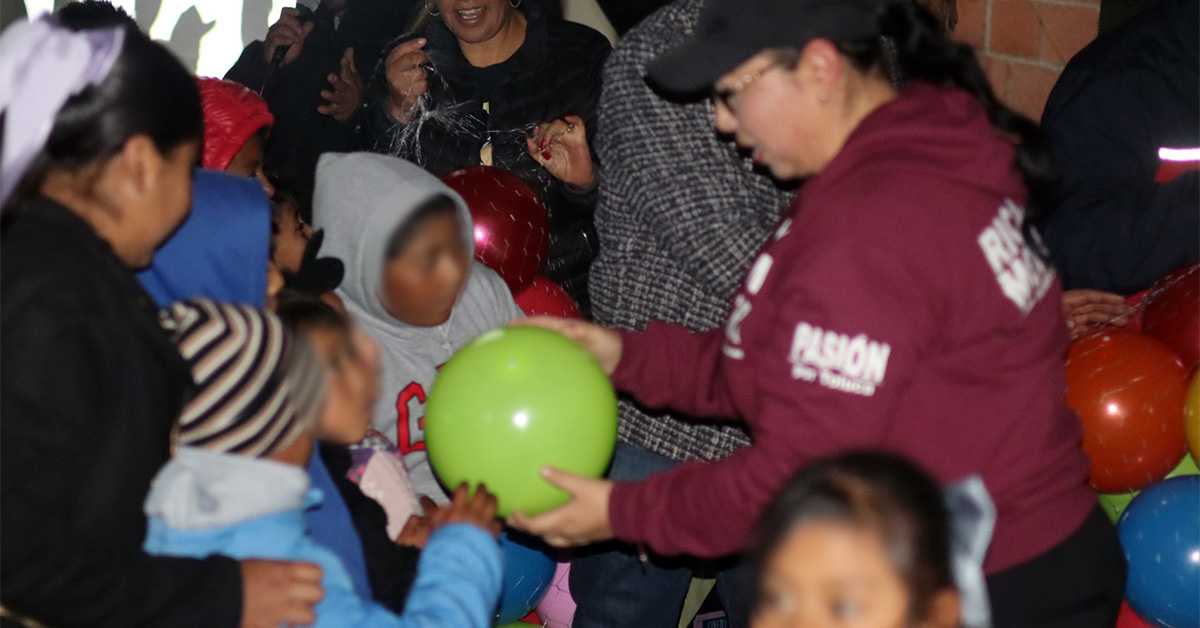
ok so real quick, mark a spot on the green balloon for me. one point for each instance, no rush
(516, 400)
(1114, 503)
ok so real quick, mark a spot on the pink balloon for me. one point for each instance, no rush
(557, 609)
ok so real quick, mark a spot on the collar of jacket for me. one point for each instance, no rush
(534, 52)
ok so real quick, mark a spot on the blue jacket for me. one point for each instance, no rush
(205, 503)
(330, 524)
(221, 250)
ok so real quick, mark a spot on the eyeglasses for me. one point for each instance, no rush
(728, 96)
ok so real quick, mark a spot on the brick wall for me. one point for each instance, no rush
(1024, 44)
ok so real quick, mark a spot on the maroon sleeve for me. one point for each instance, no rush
(668, 366)
(806, 402)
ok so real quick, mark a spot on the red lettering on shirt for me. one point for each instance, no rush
(410, 425)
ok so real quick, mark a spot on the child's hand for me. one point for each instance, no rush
(478, 510)
(418, 527)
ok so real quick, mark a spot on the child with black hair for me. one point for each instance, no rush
(410, 282)
(236, 125)
(351, 523)
(862, 540)
(290, 233)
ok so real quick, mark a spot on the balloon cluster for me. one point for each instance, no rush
(511, 225)
(1137, 394)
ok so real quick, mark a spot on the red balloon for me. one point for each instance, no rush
(1173, 313)
(1129, 391)
(543, 297)
(1129, 619)
(512, 227)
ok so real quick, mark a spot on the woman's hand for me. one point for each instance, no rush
(343, 101)
(582, 521)
(406, 79)
(604, 344)
(288, 31)
(1087, 309)
(561, 148)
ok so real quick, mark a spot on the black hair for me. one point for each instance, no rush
(289, 191)
(93, 14)
(913, 45)
(302, 312)
(884, 492)
(440, 205)
(147, 92)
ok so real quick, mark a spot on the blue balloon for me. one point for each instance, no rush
(1160, 532)
(528, 573)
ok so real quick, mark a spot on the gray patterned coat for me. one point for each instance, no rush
(680, 217)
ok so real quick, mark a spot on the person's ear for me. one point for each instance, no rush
(142, 164)
(945, 611)
(820, 67)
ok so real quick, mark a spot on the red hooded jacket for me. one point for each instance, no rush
(232, 113)
(896, 308)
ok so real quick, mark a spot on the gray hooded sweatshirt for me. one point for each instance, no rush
(360, 201)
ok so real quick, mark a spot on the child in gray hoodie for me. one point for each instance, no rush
(411, 282)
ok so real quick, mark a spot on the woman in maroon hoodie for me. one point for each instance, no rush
(902, 305)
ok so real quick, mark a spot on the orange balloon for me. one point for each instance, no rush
(1129, 392)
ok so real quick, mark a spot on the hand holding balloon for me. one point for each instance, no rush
(583, 520)
(561, 148)
(478, 509)
(417, 529)
(604, 344)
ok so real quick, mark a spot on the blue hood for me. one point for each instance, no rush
(220, 252)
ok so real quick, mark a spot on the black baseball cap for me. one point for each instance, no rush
(728, 32)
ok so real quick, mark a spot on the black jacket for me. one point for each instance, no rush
(1130, 92)
(391, 568)
(556, 72)
(293, 91)
(89, 391)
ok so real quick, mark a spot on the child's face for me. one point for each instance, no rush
(275, 284)
(347, 412)
(832, 575)
(248, 162)
(422, 283)
(290, 241)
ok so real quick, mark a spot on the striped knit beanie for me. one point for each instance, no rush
(258, 387)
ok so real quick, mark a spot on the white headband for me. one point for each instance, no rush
(43, 64)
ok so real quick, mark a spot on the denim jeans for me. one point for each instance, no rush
(613, 588)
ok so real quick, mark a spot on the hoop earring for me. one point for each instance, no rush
(431, 13)
(510, 3)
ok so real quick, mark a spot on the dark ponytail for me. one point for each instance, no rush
(913, 46)
(147, 92)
